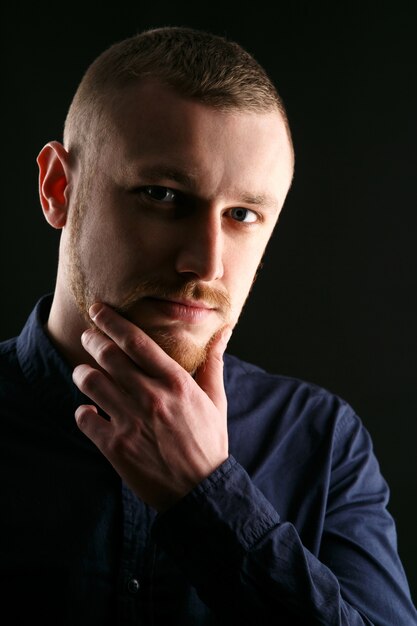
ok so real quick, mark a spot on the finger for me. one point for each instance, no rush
(102, 391)
(133, 341)
(112, 359)
(210, 375)
(93, 425)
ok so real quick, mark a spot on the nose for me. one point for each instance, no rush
(201, 249)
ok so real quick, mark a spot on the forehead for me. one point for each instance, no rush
(151, 126)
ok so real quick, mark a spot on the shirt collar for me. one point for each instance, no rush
(47, 372)
(43, 366)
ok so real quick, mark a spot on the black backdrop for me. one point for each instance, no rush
(336, 301)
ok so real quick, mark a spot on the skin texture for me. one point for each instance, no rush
(169, 232)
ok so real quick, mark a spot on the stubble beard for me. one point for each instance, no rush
(189, 354)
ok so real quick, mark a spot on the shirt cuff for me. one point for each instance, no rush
(211, 528)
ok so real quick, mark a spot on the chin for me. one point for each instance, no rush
(184, 351)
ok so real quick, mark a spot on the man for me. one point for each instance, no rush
(184, 490)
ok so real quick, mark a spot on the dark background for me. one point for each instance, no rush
(336, 301)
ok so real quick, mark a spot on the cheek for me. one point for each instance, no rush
(240, 283)
(103, 237)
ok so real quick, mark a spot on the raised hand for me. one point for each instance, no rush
(167, 430)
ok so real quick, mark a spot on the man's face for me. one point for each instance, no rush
(174, 221)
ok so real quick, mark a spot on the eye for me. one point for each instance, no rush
(161, 194)
(241, 214)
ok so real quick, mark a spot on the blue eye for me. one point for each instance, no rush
(161, 194)
(241, 214)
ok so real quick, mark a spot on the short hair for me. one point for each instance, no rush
(198, 65)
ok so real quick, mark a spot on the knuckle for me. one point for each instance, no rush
(90, 380)
(115, 447)
(106, 351)
(179, 382)
(133, 344)
(125, 441)
(156, 404)
(157, 408)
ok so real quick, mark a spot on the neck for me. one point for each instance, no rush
(65, 326)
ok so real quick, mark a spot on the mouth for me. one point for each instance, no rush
(194, 304)
(189, 311)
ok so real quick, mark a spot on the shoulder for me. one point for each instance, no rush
(249, 380)
(285, 401)
(298, 422)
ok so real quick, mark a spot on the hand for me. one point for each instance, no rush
(167, 430)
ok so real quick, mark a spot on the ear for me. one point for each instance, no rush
(54, 176)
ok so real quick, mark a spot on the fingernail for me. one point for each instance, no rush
(94, 310)
(84, 335)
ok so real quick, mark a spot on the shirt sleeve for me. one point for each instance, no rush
(250, 567)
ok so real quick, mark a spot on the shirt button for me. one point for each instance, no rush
(133, 586)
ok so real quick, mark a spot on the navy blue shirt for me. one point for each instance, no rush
(292, 529)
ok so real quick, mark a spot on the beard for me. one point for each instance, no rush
(189, 354)
(185, 351)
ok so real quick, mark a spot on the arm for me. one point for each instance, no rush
(167, 438)
(252, 568)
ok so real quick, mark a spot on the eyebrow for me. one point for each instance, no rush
(189, 180)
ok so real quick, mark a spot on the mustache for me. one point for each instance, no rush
(190, 290)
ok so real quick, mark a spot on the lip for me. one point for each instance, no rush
(189, 311)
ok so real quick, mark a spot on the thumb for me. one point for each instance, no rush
(210, 375)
